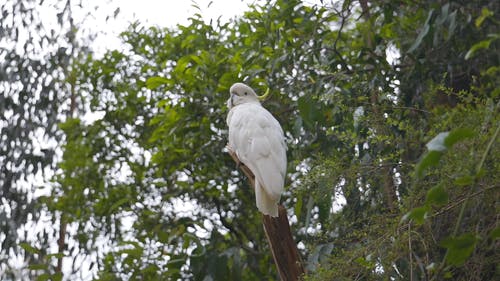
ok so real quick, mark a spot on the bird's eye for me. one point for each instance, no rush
(246, 93)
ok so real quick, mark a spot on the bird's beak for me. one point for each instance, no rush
(264, 96)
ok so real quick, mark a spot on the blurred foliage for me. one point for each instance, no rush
(390, 110)
(37, 58)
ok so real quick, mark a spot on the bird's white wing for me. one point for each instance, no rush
(257, 138)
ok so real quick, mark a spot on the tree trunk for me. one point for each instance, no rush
(283, 247)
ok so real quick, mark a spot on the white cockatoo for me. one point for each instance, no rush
(257, 139)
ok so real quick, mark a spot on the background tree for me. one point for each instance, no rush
(35, 65)
(40, 43)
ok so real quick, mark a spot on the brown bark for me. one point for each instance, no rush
(285, 253)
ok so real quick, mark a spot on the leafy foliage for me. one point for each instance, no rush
(36, 92)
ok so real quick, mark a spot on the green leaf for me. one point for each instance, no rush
(69, 124)
(305, 109)
(430, 159)
(485, 13)
(298, 206)
(196, 59)
(484, 44)
(495, 233)
(117, 204)
(310, 111)
(458, 135)
(365, 262)
(465, 180)
(155, 82)
(438, 145)
(437, 196)
(324, 205)
(28, 248)
(418, 215)
(43, 277)
(387, 31)
(38, 266)
(447, 275)
(182, 64)
(56, 255)
(297, 126)
(459, 248)
(57, 276)
(422, 33)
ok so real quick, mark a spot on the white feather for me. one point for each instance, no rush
(258, 141)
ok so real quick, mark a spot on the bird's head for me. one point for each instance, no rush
(241, 93)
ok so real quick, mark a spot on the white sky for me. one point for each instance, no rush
(171, 12)
(163, 13)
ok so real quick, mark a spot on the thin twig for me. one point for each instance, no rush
(339, 33)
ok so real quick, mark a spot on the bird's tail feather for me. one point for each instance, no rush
(265, 203)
